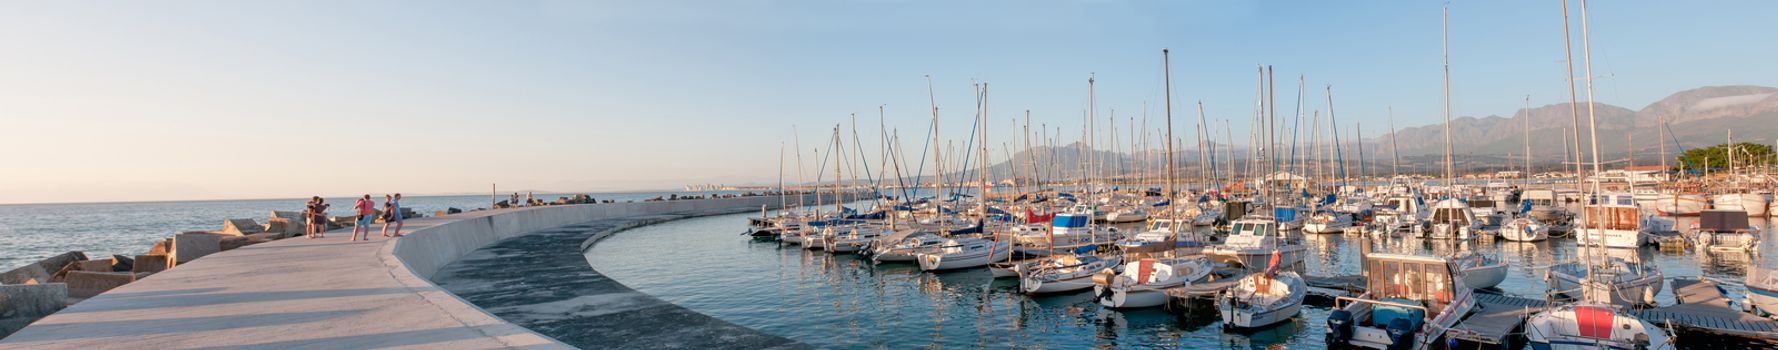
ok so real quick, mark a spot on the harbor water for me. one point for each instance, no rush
(31, 232)
(844, 301)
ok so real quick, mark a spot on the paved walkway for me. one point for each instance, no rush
(294, 293)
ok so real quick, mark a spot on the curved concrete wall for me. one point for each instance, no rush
(425, 251)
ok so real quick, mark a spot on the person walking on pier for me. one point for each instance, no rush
(315, 217)
(392, 214)
(367, 214)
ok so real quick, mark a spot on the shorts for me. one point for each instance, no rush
(366, 220)
(393, 218)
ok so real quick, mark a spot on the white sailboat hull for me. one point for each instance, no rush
(1679, 204)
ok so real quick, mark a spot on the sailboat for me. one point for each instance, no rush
(905, 245)
(1593, 322)
(962, 253)
(1262, 299)
(1065, 273)
(1142, 283)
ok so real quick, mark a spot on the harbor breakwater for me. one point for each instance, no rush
(333, 293)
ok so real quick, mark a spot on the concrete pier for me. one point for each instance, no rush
(331, 293)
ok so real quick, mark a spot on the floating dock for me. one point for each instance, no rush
(1704, 308)
(1496, 320)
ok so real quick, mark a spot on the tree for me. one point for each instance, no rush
(1718, 156)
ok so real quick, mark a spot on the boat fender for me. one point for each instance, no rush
(1339, 327)
(1401, 333)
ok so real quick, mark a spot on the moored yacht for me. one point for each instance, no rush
(1251, 242)
(962, 253)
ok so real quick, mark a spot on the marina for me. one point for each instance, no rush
(889, 175)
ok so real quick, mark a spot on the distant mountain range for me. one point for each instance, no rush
(1695, 118)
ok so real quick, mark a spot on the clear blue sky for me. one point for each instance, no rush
(139, 100)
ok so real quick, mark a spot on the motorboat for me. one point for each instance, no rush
(1479, 271)
(1452, 219)
(1262, 299)
(1724, 230)
(1161, 236)
(1142, 283)
(1399, 214)
(1251, 242)
(1592, 327)
(1524, 229)
(963, 253)
(1614, 221)
(1064, 273)
(1409, 302)
(1328, 221)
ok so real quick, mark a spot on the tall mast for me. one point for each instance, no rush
(838, 208)
(987, 181)
(1450, 168)
(796, 140)
(1358, 128)
(1573, 99)
(1394, 153)
(938, 163)
(1527, 174)
(1661, 133)
(1167, 81)
(1092, 133)
(1592, 120)
(781, 200)
(1334, 124)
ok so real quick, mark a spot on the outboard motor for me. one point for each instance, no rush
(1339, 328)
(1401, 332)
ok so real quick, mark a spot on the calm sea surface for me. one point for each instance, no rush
(31, 232)
(844, 302)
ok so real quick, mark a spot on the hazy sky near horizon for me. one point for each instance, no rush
(171, 100)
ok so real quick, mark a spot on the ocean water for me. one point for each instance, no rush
(845, 302)
(31, 232)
